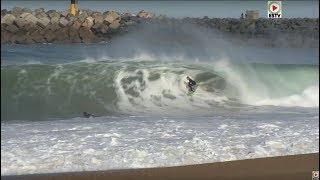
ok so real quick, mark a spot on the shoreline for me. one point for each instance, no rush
(280, 167)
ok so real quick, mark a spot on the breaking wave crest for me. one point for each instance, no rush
(116, 87)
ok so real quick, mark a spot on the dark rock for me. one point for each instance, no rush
(4, 12)
(129, 23)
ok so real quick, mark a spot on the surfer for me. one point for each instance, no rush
(88, 115)
(191, 84)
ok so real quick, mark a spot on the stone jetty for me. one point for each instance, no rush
(25, 26)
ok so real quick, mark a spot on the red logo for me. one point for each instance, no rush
(274, 7)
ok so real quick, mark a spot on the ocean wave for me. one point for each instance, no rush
(151, 87)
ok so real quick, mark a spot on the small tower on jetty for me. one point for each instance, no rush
(73, 7)
(252, 14)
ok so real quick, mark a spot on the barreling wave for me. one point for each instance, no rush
(36, 91)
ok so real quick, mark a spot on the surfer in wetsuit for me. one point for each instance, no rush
(88, 115)
(191, 84)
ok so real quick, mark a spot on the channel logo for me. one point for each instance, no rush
(274, 9)
(315, 175)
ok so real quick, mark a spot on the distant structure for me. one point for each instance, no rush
(252, 14)
(73, 7)
(241, 17)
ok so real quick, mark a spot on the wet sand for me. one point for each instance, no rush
(295, 167)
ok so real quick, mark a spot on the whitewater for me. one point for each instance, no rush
(248, 104)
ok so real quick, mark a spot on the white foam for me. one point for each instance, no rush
(165, 95)
(308, 98)
(135, 142)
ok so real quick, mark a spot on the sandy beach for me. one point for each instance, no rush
(283, 167)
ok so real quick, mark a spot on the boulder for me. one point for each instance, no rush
(86, 35)
(39, 11)
(18, 38)
(26, 18)
(42, 15)
(111, 16)
(50, 36)
(8, 19)
(63, 22)
(53, 13)
(55, 20)
(104, 29)
(100, 28)
(12, 28)
(53, 27)
(74, 36)
(62, 34)
(71, 20)
(88, 23)
(43, 22)
(37, 37)
(114, 25)
(85, 11)
(98, 17)
(28, 40)
(30, 27)
(96, 27)
(75, 25)
(145, 14)
(82, 16)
